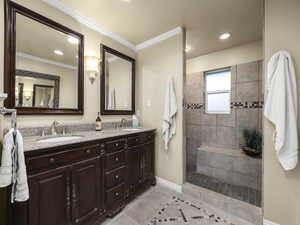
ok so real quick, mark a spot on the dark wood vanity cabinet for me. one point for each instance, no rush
(81, 184)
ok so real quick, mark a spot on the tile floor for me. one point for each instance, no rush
(162, 206)
(245, 194)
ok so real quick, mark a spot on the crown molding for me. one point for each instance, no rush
(51, 62)
(94, 26)
(159, 38)
(87, 22)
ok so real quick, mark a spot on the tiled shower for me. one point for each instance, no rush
(215, 159)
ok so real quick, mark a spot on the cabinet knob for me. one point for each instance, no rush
(88, 151)
(117, 144)
(51, 160)
(117, 194)
(136, 139)
(117, 176)
(102, 146)
(117, 159)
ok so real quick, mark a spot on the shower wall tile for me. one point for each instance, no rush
(228, 120)
(208, 135)
(248, 166)
(226, 136)
(233, 75)
(193, 117)
(219, 160)
(247, 118)
(247, 91)
(260, 70)
(193, 93)
(194, 78)
(260, 119)
(233, 93)
(246, 181)
(239, 137)
(194, 132)
(223, 175)
(208, 119)
(248, 72)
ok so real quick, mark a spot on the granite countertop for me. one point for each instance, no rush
(31, 143)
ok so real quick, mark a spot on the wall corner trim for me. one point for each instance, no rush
(87, 22)
(268, 222)
(169, 184)
(159, 38)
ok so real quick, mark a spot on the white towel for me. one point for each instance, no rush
(13, 168)
(169, 119)
(281, 107)
(112, 99)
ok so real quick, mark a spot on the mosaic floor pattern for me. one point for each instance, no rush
(182, 211)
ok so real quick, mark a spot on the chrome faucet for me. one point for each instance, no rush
(54, 127)
(123, 123)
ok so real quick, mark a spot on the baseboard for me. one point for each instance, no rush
(268, 222)
(169, 184)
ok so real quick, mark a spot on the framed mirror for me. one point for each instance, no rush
(44, 71)
(117, 83)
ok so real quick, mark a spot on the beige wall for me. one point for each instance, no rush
(281, 189)
(92, 47)
(157, 64)
(228, 57)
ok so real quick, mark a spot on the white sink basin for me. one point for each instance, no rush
(59, 139)
(131, 129)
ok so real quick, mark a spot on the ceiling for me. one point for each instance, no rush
(38, 40)
(140, 20)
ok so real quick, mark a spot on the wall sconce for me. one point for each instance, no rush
(27, 94)
(92, 67)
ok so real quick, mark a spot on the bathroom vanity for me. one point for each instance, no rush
(85, 180)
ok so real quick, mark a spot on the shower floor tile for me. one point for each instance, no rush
(245, 194)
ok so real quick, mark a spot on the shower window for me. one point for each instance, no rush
(218, 88)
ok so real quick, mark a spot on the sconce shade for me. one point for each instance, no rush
(92, 67)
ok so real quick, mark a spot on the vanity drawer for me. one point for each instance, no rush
(58, 159)
(115, 195)
(115, 177)
(133, 141)
(114, 146)
(115, 160)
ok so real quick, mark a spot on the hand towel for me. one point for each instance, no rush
(112, 99)
(169, 117)
(13, 168)
(281, 107)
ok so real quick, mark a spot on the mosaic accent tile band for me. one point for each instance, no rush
(233, 105)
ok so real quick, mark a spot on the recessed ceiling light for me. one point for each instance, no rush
(225, 36)
(126, 0)
(58, 52)
(73, 40)
(188, 48)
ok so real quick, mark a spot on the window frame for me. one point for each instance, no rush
(207, 93)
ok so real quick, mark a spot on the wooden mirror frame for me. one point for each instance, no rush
(11, 9)
(104, 111)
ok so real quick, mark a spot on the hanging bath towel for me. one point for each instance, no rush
(169, 119)
(13, 168)
(281, 107)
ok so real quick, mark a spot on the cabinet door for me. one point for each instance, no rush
(148, 161)
(86, 191)
(134, 168)
(49, 202)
